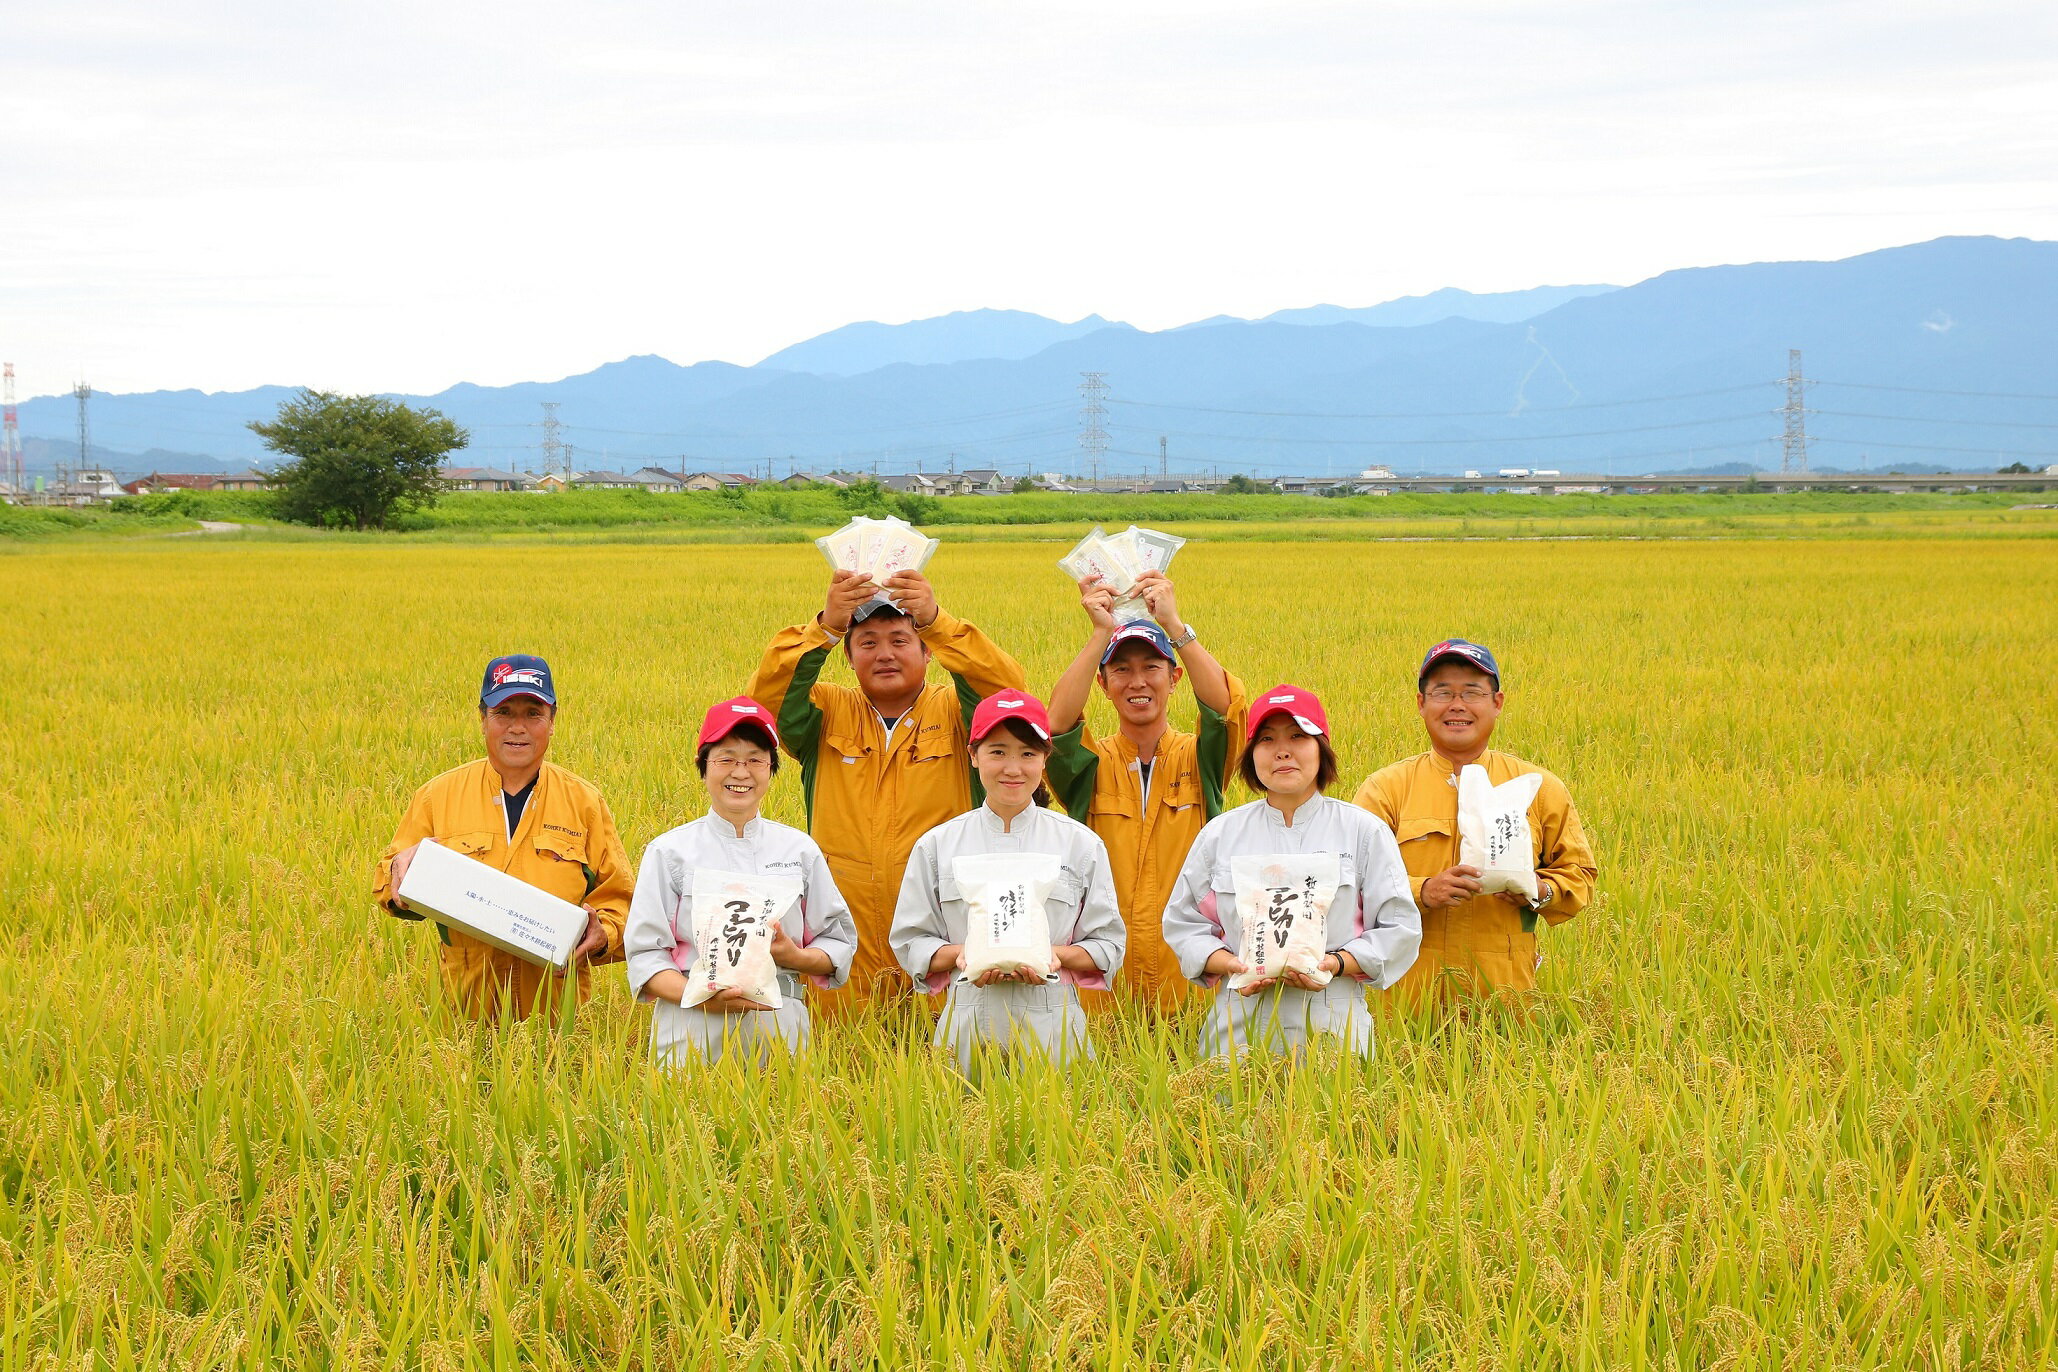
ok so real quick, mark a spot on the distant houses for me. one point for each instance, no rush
(482, 479)
(161, 483)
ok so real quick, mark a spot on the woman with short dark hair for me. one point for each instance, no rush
(812, 944)
(1294, 866)
(1002, 855)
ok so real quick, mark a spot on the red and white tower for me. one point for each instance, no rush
(10, 433)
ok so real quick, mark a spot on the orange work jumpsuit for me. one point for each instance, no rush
(566, 844)
(1100, 783)
(1489, 942)
(869, 797)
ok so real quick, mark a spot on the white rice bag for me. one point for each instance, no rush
(733, 915)
(1282, 905)
(1007, 926)
(1493, 830)
(1155, 550)
(843, 546)
(1117, 560)
(1091, 556)
(902, 548)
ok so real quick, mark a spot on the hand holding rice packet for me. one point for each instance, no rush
(1282, 902)
(1007, 926)
(733, 915)
(1493, 831)
(877, 549)
(1118, 560)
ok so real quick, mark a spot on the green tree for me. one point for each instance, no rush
(1024, 485)
(356, 461)
(1242, 485)
(2014, 469)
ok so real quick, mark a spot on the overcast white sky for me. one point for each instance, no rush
(398, 196)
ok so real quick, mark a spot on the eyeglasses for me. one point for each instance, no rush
(1471, 695)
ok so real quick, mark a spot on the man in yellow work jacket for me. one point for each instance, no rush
(531, 819)
(1473, 944)
(885, 761)
(1147, 788)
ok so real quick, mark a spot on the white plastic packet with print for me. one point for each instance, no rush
(1282, 907)
(878, 548)
(1155, 550)
(733, 915)
(1493, 830)
(1118, 560)
(1007, 925)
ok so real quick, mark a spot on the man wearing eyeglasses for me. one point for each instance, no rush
(1473, 944)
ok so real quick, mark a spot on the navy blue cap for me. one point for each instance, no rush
(1140, 631)
(877, 605)
(1466, 652)
(518, 674)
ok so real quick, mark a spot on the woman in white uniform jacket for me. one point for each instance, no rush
(1373, 929)
(1010, 738)
(739, 756)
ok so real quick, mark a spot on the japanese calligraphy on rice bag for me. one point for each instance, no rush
(1007, 925)
(878, 548)
(733, 915)
(1282, 906)
(1493, 830)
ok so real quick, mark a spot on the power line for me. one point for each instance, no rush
(1935, 448)
(1444, 414)
(1921, 390)
(1489, 439)
(1933, 419)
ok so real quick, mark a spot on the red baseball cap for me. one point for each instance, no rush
(1002, 706)
(724, 719)
(1304, 706)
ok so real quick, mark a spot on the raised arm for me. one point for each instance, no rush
(979, 665)
(1073, 763)
(784, 682)
(1209, 681)
(1068, 698)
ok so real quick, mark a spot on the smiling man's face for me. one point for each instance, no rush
(1139, 682)
(517, 734)
(1458, 704)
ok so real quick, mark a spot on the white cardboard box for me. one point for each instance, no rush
(492, 906)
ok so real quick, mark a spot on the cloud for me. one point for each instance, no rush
(401, 196)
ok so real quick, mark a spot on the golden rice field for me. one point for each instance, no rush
(1790, 1098)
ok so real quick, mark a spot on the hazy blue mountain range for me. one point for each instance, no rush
(959, 337)
(1936, 353)
(1496, 307)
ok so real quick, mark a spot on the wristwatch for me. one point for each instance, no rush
(1545, 894)
(1189, 636)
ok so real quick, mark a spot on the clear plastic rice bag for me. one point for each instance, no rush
(733, 915)
(1282, 909)
(1117, 559)
(1155, 550)
(1091, 556)
(842, 547)
(1493, 830)
(1007, 925)
(877, 548)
